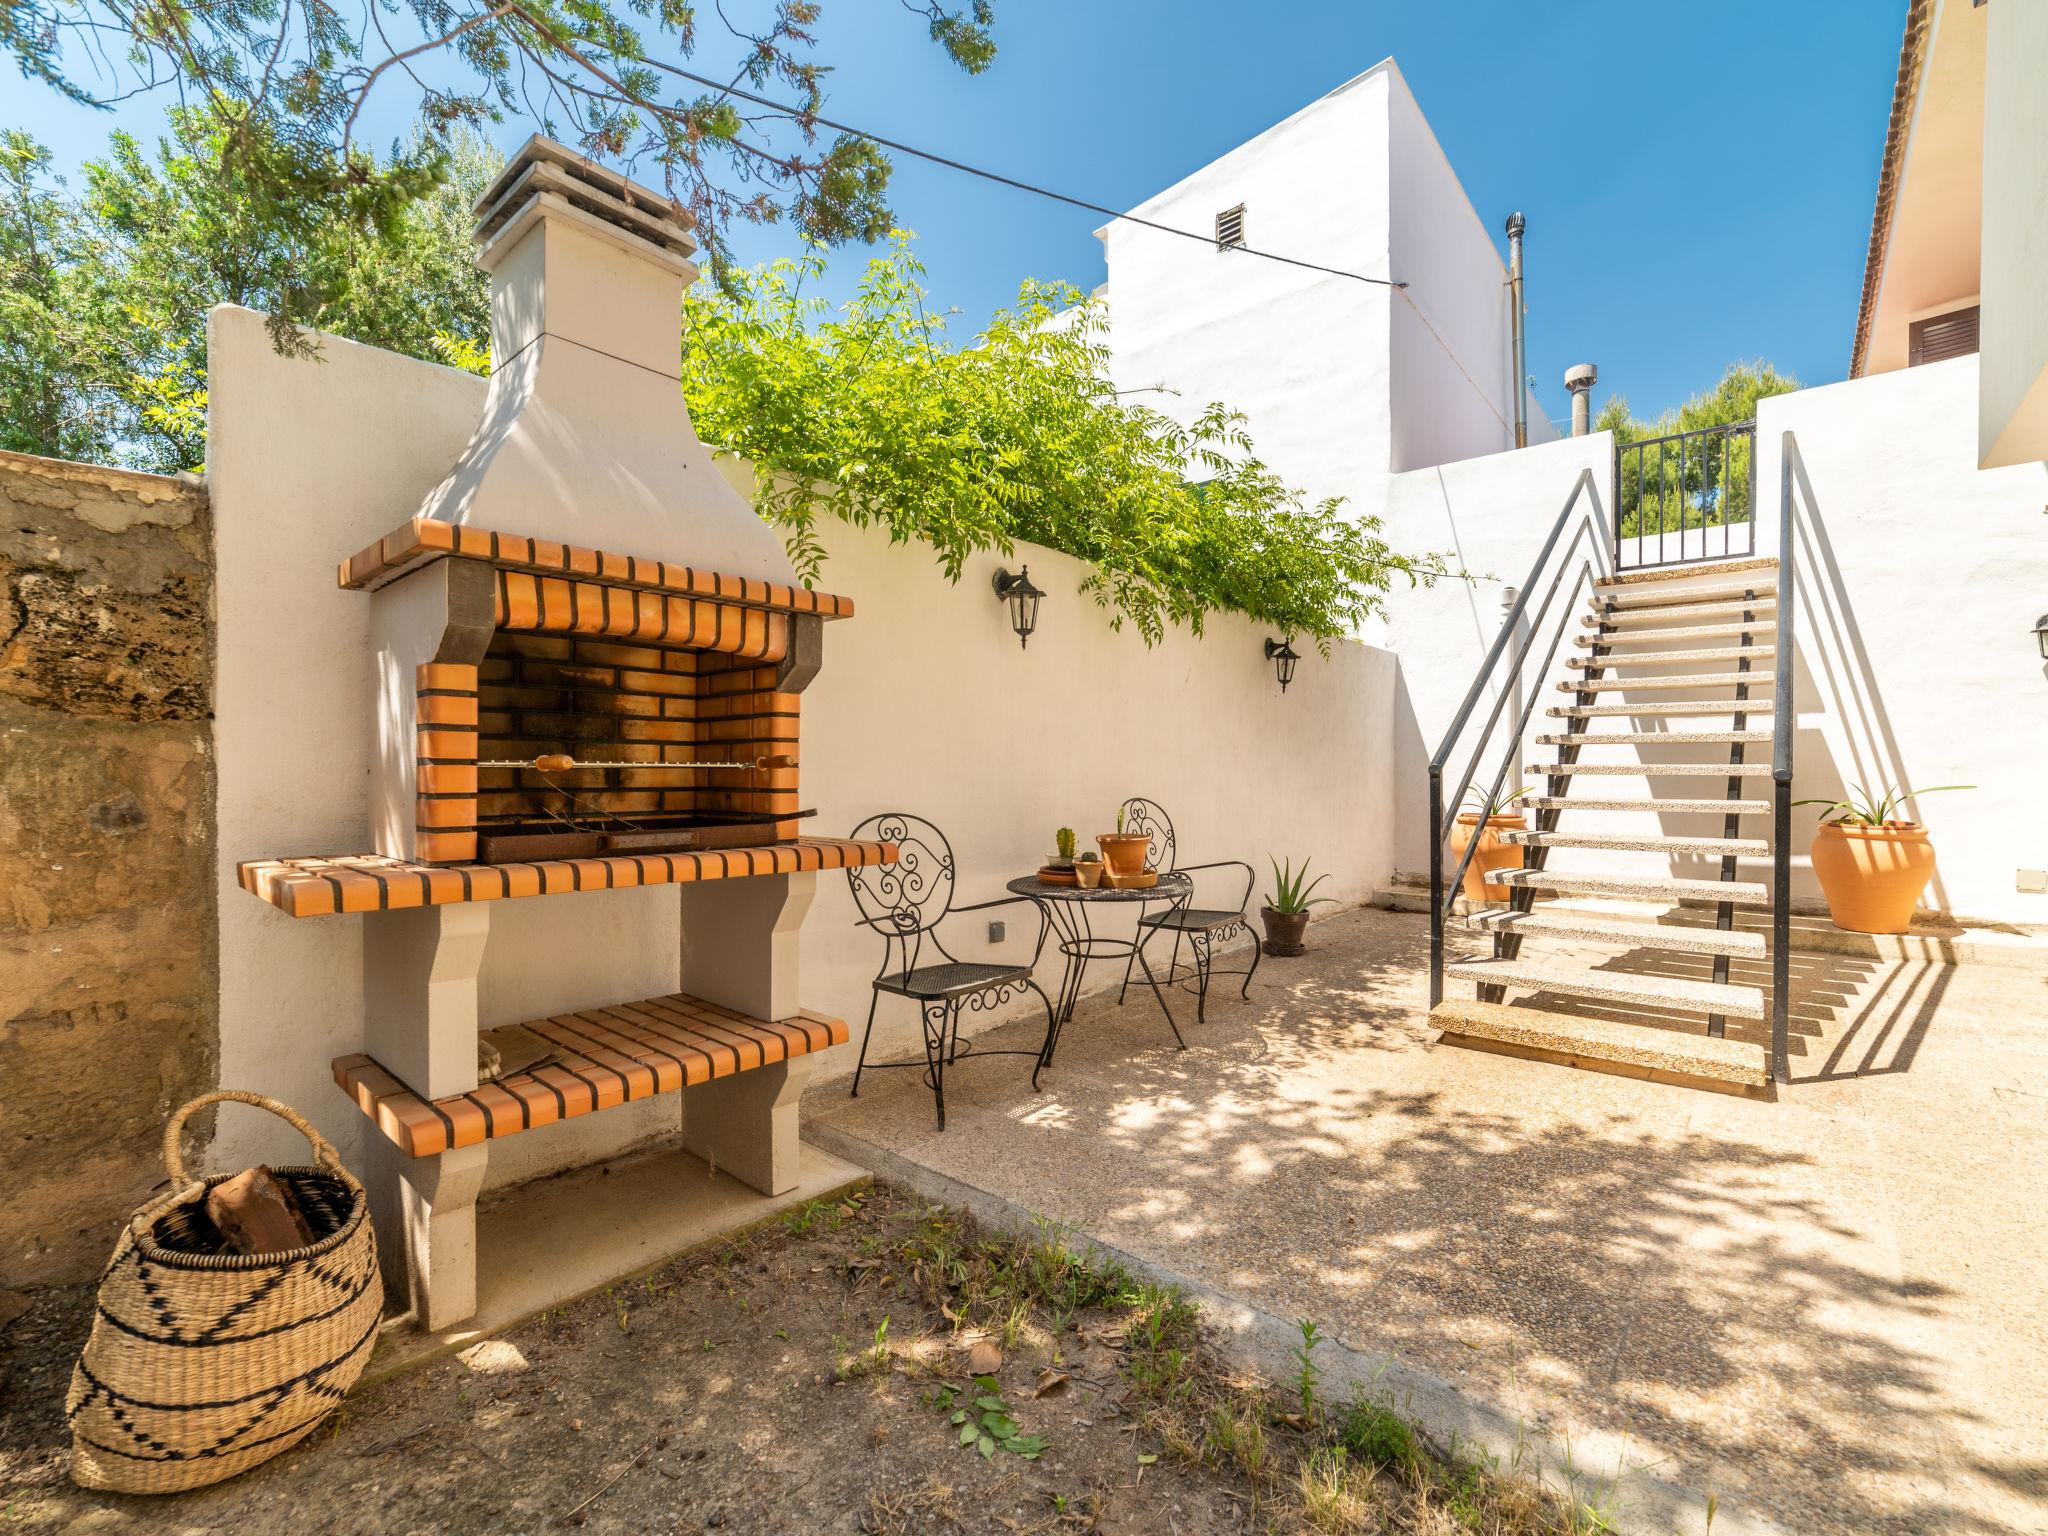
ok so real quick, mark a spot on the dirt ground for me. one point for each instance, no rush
(805, 1378)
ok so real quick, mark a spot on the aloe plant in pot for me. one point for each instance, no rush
(1872, 863)
(1287, 907)
(1483, 818)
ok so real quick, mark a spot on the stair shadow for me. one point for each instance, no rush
(1850, 1016)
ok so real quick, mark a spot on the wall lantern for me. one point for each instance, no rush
(1281, 654)
(2041, 634)
(1023, 598)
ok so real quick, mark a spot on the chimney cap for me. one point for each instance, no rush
(1581, 376)
(1516, 223)
(543, 166)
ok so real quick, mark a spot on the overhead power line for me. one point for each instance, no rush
(1010, 181)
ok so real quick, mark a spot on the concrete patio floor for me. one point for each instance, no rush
(1828, 1310)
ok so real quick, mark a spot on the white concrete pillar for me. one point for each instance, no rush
(747, 1125)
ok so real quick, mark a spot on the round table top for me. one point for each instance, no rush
(1170, 887)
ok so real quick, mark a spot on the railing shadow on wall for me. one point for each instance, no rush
(1577, 553)
(1835, 677)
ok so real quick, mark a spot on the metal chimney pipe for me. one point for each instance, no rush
(1516, 224)
(1580, 379)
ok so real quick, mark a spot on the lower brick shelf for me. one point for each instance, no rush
(321, 887)
(597, 1059)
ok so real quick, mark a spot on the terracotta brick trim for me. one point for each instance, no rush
(321, 887)
(423, 540)
(602, 1058)
(558, 605)
(445, 756)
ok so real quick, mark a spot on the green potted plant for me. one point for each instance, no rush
(1124, 852)
(1873, 864)
(1063, 842)
(1485, 817)
(1287, 908)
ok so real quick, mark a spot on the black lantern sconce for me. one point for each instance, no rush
(1282, 655)
(1023, 598)
(2041, 634)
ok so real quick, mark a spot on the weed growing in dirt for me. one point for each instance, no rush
(986, 1423)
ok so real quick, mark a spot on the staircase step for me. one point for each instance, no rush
(1630, 1045)
(1737, 847)
(1654, 619)
(1744, 893)
(1665, 658)
(1648, 738)
(1578, 980)
(1613, 638)
(1761, 680)
(1672, 807)
(1688, 938)
(1663, 707)
(1654, 770)
(1633, 602)
(1664, 573)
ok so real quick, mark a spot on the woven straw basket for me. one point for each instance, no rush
(202, 1364)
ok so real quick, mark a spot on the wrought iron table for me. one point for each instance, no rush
(1068, 907)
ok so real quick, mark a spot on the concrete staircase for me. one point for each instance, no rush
(1645, 992)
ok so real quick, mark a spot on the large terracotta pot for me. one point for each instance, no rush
(1492, 854)
(1124, 852)
(1873, 876)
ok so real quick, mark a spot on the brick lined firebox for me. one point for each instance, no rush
(557, 716)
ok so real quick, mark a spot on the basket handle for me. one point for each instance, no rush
(323, 1150)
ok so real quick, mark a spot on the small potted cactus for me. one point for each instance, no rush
(1063, 841)
(1088, 870)
(1124, 852)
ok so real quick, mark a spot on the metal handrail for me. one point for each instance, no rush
(1440, 903)
(1781, 772)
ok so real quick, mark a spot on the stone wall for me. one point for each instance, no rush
(107, 968)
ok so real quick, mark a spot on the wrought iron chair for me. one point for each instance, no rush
(1202, 927)
(906, 902)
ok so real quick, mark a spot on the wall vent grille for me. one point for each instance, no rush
(1940, 337)
(1230, 228)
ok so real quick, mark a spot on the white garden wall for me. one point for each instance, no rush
(926, 703)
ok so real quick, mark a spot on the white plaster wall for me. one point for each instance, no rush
(2013, 413)
(1302, 353)
(308, 461)
(1453, 368)
(1921, 577)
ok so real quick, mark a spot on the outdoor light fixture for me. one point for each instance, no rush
(2041, 634)
(1023, 598)
(1281, 654)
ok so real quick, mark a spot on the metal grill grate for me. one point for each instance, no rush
(1230, 228)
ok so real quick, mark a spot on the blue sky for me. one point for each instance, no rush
(1698, 178)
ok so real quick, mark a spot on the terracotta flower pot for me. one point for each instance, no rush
(1284, 931)
(1088, 872)
(1493, 854)
(1873, 876)
(1124, 852)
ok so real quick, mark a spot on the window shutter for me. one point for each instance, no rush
(1940, 337)
(1230, 228)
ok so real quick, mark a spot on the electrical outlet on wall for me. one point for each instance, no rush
(996, 930)
(2034, 881)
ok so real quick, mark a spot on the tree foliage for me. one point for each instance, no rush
(870, 415)
(1712, 480)
(284, 87)
(106, 291)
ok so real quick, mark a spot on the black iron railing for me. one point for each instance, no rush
(1684, 497)
(1578, 558)
(1791, 475)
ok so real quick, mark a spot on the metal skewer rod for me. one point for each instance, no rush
(561, 762)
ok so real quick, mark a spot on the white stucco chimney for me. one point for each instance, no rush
(585, 439)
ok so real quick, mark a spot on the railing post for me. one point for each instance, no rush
(1781, 778)
(1436, 885)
